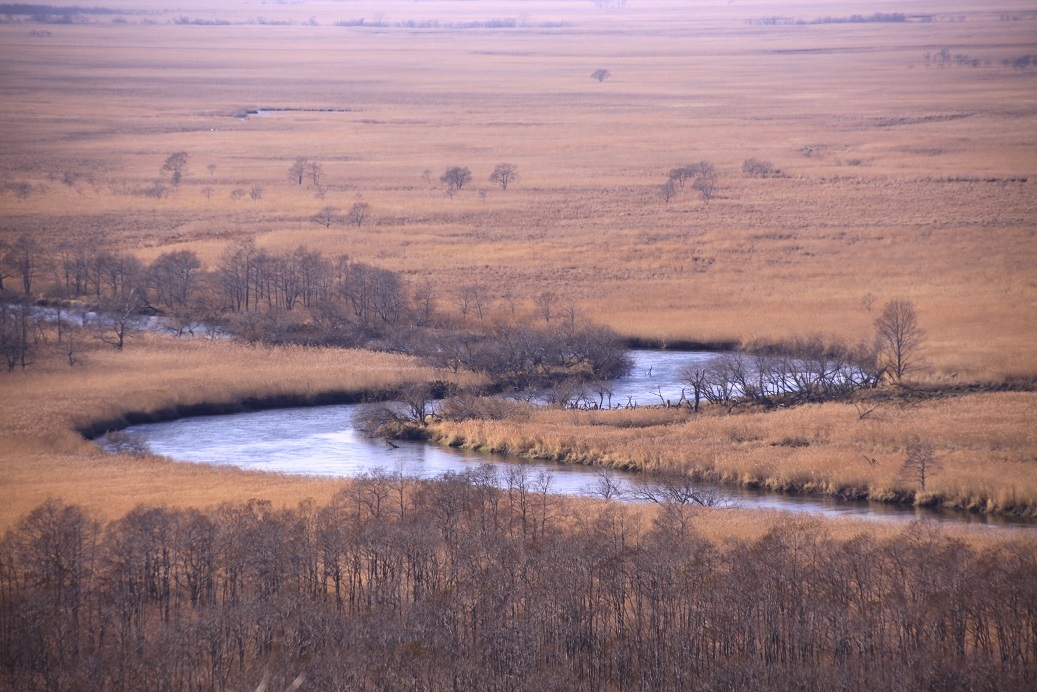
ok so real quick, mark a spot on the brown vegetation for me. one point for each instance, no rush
(912, 180)
(478, 582)
(983, 443)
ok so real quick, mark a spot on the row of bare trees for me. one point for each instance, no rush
(298, 296)
(482, 581)
(807, 370)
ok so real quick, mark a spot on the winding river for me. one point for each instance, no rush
(321, 441)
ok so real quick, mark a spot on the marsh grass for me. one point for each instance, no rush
(904, 181)
(899, 180)
(988, 455)
(44, 409)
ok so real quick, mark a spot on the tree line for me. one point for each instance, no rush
(483, 581)
(298, 296)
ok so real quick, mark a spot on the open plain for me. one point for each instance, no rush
(835, 158)
(902, 153)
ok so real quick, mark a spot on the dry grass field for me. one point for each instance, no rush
(903, 175)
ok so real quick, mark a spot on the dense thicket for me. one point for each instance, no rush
(480, 582)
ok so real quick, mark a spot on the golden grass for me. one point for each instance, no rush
(985, 443)
(42, 408)
(902, 179)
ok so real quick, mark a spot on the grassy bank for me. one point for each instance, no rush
(983, 442)
(45, 410)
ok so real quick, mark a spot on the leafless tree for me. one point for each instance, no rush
(207, 191)
(758, 168)
(24, 259)
(504, 174)
(921, 464)
(668, 190)
(427, 176)
(117, 320)
(545, 303)
(706, 181)
(297, 171)
(358, 213)
(456, 178)
(607, 485)
(256, 193)
(316, 172)
(601, 75)
(676, 489)
(898, 338)
(697, 378)
(175, 167)
(327, 216)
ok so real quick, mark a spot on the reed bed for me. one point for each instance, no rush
(983, 442)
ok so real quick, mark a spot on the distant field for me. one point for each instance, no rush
(903, 175)
(906, 151)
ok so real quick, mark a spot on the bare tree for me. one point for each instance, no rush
(23, 259)
(758, 168)
(504, 174)
(297, 171)
(681, 174)
(118, 318)
(601, 75)
(706, 181)
(316, 172)
(207, 191)
(358, 213)
(427, 175)
(256, 193)
(697, 378)
(898, 338)
(668, 190)
(676, 489)
(175, 167)
(921, 464)
(607, 486)
(456, 178)
(327, 216)
(545, 304)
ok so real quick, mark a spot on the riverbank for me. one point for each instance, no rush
(986, 453)
(982, 439)
(44, 411)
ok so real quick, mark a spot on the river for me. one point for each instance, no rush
(321, 441)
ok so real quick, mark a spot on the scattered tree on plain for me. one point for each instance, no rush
(601, 75)
(297, 171)
(898, 338)
(668, 190)
(504, 174)
(706, 181)
(456, 178)
(358, 213)
(175, 167)
(758, 168)
(327, 216)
